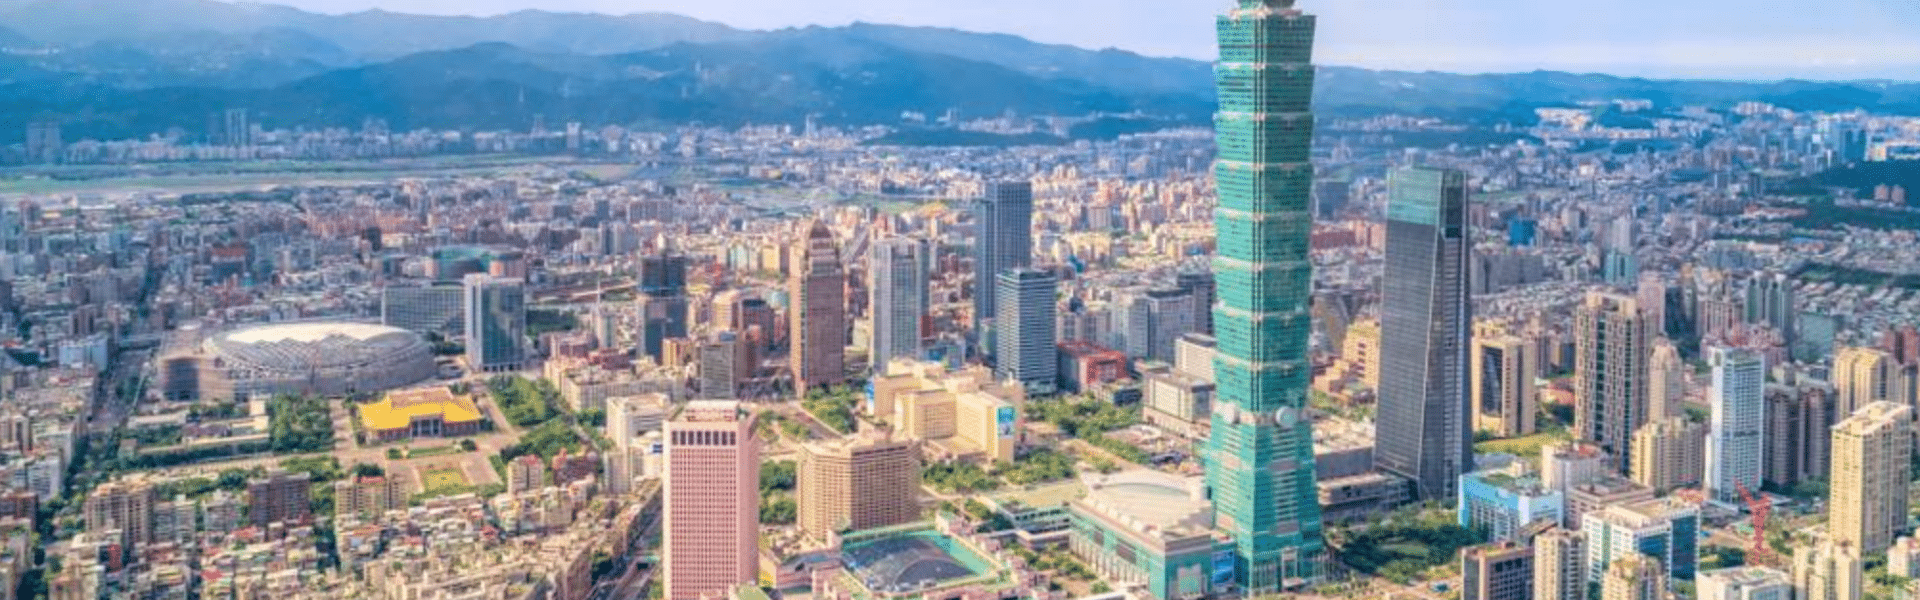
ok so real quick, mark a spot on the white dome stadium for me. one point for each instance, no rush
(320, 358)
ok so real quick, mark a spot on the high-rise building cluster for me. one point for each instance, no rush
(1300, 353)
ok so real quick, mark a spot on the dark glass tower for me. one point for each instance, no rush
(1026, 329)
(1260, 454)
(1003, 240)
(1425, 434)
(662, 284)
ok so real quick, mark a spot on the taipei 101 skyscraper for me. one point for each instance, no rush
(1259, 457)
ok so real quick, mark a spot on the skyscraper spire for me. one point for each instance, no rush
(1260, 454)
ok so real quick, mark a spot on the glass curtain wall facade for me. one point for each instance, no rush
(1260, 472)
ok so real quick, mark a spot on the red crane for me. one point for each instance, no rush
(1758, 506)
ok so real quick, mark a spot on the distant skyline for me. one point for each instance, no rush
(1842, 39)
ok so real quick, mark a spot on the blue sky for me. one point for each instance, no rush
(1827, 39)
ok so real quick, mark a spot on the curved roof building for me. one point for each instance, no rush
(324, 358)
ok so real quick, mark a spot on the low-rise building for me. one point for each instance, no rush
(422, 412)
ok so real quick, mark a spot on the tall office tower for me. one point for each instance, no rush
(1786, 438)
(663, 273)
(1148, 322)
(856, 484)
(12, 228)
(1260, 454)
(1024, 331)
(1872, 451)
(1560, 565)
(280, 497)
(1736, 444)
(496, 314)
(1424, 433)
(124, 509)
(1666, 380)
(1670, 453)
(1201, 286)
(663, 303)
(818, 310)
(900, 272)
(725, 363)
(1666, 529)
(430, 308)
(1816, 426)
(1828, 570)
(43, 142)
(1620, 258)
(1500, 571)
(1770, 302)
(1744, 583)
(1504, 399)
(1609, 376)
(235, 128)
(712, 500)
(1861, 376)
(1635, 577)
(1003, 239)
(1902, 343)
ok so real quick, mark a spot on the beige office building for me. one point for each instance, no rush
(1499, 571)
(1666, 381)
(1862, 376)
(1610, 373)
(1872, 451)
(1504, 398)
(856, 484)
(121, 508)
(958, 413)
(1636, 577)
(1560, 565)
(1669, 453)
(1362, 352)
(1827, 570)
(369, 497)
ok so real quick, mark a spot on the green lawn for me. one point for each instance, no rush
(444, 482)
(1528, 446)
(432, 451)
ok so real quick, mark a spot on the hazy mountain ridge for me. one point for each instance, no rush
(499, 86)
(132, 68)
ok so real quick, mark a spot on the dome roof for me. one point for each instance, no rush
(317, 345)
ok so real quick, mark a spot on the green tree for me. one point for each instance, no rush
(777, 476)
(778, 509)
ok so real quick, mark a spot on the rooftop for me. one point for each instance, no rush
(911, 560)
(711, 411)
(309, 332)
(399, 409)
(1151, 501)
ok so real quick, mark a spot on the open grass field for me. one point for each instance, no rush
(431, 451)
(1528, 446)
(443, 481)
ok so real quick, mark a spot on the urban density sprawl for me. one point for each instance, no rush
(1616, 348)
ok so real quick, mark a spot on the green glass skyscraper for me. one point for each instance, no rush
(1260, 454)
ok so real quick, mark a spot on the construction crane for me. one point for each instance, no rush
(1758, 507)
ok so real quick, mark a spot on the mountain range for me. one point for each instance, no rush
(110, 69)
